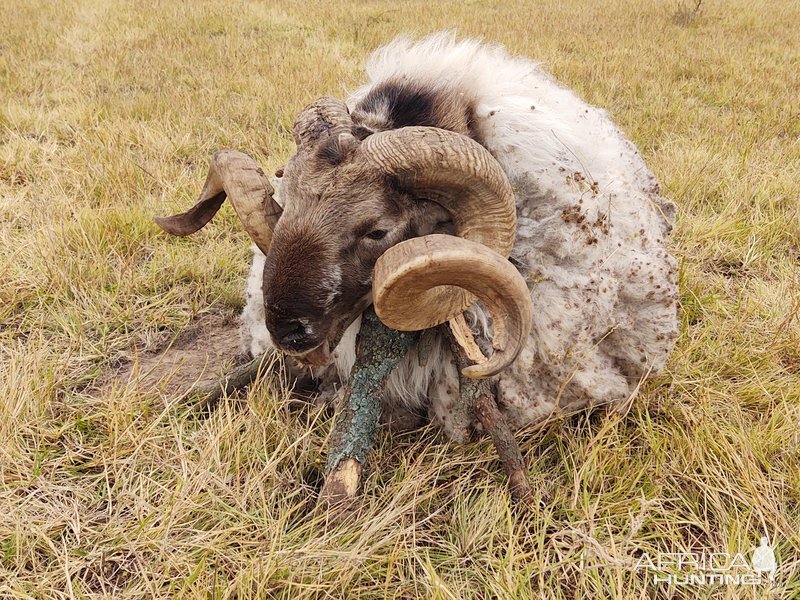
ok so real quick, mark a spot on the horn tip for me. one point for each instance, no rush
(168, 224)
(479, 371)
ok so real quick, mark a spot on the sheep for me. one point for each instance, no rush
(588, 241)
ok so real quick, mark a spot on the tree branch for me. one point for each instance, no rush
(204, 396)
(378, 350)
(478, 394)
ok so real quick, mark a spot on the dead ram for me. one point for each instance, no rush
(459, 171)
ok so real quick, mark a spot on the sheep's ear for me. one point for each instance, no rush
(336, 150)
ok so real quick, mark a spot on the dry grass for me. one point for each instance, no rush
(108, 112)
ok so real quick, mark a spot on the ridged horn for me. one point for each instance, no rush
(460, 175)
(237, 176)
(427, 281)
(409, 278)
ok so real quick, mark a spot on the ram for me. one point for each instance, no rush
(459, 172)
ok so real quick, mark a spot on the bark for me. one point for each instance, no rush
(507, 448)
(465, 352)
(378, 350)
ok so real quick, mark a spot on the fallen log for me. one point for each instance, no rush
(378, 351)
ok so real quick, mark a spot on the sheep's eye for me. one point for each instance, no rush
(378, 234)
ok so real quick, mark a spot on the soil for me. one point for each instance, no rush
(203, 351)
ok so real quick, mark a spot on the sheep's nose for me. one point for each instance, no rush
(291, 333)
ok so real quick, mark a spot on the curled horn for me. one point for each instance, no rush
(236, 176)
(427, 281)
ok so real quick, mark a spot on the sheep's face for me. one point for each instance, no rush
(338, 218)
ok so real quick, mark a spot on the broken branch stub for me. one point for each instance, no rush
(378, 350)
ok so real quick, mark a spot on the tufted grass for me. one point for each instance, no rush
(108, 112)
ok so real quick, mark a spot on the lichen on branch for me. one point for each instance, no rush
(378, 351)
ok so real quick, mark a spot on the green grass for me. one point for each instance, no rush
(109, 111)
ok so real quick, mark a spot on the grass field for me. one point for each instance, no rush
(109, 111)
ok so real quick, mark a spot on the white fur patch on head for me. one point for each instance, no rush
(332, 283)
(254, 333)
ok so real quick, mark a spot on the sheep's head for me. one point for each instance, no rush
(365, 220)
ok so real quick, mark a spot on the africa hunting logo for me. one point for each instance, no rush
(711, 569)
